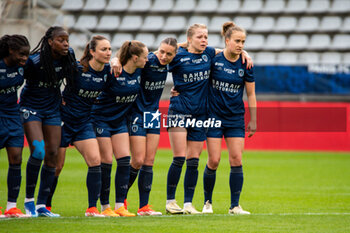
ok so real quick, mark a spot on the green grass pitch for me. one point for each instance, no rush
(284, 191)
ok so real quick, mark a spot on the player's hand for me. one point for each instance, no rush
(247, 59)
(251, 128)
(116, 67)
(174, 92)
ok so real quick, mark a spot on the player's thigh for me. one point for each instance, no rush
(14, 155)
(89, 150)
(106, 150)
(214, 152)
(34, 132)
(178, 141)
(138, 150)
(120, 145)
(194, 149)
(235, 146)
(151, 149)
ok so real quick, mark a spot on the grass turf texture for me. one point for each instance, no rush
(284, 191)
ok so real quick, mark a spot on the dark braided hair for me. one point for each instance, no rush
(14, 42)
(69, 66)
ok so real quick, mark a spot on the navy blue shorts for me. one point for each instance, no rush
(195, 131)
(73, 132)
(136, 126)
(28, 115)
(11, 132)
(227, 129)
(104, 129)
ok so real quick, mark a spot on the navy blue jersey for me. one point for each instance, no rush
(153, 79)
(191, 74)
(38, 94)
(226, 89)
(116, 100)
(79, 99)
(11, 79)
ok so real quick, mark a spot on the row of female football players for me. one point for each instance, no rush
(102, 116)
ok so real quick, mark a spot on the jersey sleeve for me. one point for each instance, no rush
(28, 69)
(249, 75)
(211, 51)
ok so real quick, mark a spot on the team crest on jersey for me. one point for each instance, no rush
(205, 57)
(241, 73)
(99, 130)
(134, 128)
(20, 71)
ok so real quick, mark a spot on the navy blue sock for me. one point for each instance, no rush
(145, 184)
(52, 191)
(236, 184)
(46, 179)
(13, 182)
(106, 169)
(191, 177)
(32, 174)
(93, 183)
(122, 179)
(174, 175)
(133, 174)
(209, 177)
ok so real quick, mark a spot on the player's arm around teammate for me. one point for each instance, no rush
(51, 61)
(14, 52)
(144, 141)
(227, 106)
(110, 115)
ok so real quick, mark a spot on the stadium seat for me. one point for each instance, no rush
(274, 6)
(275, 42)
(265, 58)
(285, 24)
(184, 6)
(84, 22)
(117, 5)
(287, 58)
(296, 6)
(263, 24)
(70, 5)
(229, 6)
(319, 42)
(148, 39)
(206, 6)
(308, 24)
(175, 23)
(162, 6)
(340, 6)
(162, 36)
(216, 23)
(330, 58)
(216, 41)
(108, 23)
(251, 6)
(131, 23)
(297, 42)
(346, 58)
(181, 38)
(120, 38)
(94, 5)
(318, 6)
(66, 21)
(78, 40)
(198, 19)
(341, 42)
(245, 22)
(254, 42)
(306, 58)
(139, 5)
(153, 23)
(346, 25)
(330, 23)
